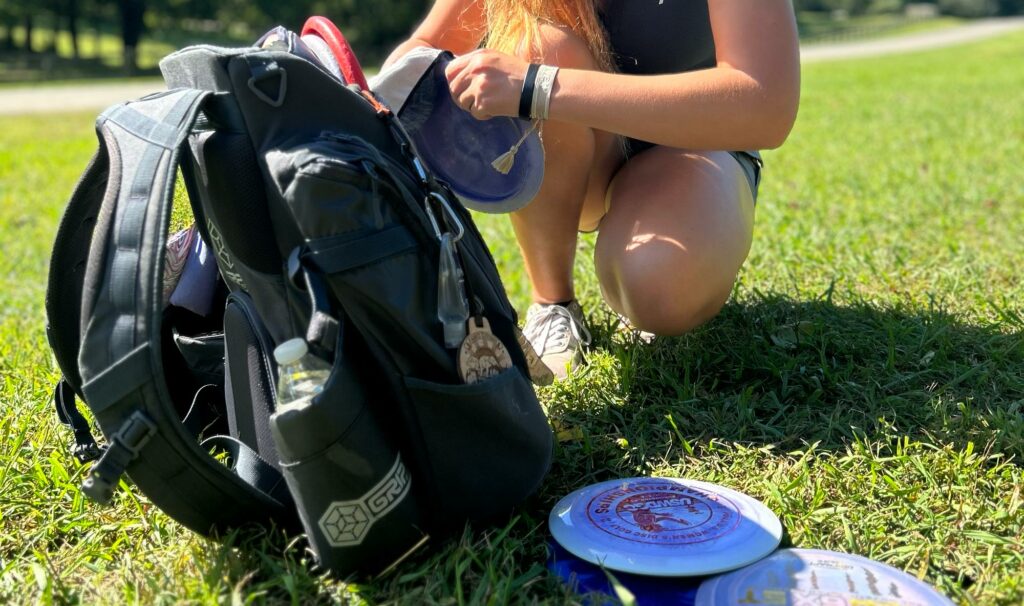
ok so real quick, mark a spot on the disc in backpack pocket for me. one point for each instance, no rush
(347, 62)
(459, 149)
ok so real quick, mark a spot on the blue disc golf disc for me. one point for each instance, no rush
(584, 577)
(459, 149)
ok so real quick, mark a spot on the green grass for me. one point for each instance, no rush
(866, 381)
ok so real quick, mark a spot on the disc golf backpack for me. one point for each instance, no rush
(325, 225)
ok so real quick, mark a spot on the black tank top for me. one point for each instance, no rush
(659, 36)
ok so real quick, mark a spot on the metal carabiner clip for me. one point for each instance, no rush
(433, 219)
(460, 229)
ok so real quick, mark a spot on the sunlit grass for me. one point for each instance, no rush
(866, 381)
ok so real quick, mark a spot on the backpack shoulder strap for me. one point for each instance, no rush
(120, 353)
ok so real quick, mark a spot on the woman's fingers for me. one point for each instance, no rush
(459, 73)
(458, 65)
(486, 83)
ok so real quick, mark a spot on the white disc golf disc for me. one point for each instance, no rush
(812, 576)
(665, 527)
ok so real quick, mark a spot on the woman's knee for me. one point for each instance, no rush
(671, 310)
(664, 297)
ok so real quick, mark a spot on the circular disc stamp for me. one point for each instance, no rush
(482, 355)
(665, 527)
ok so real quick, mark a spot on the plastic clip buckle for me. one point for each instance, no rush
(87, 453)
(123, 449)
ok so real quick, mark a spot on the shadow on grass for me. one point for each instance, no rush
(790, 373)
(477, 566)
(775, 371)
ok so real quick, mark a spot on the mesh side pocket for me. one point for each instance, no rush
(250, 376)
(488, 444)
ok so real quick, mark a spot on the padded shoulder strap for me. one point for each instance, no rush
(120, 357)
(67, 267)
(121, 295)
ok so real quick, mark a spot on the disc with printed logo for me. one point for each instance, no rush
(665, 527)
(811, 576)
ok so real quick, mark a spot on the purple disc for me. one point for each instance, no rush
(460, 149)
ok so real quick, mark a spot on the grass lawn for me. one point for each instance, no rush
(866, 381)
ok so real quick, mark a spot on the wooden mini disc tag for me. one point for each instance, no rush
(482, 355)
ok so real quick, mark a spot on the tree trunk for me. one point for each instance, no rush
(9, 34)
(131, 31)
(72, 8)
(28, 33)
(55, 24)
(97, 26)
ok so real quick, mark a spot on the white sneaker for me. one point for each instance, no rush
(558, 335)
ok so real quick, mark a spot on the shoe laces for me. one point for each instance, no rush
(554, 326)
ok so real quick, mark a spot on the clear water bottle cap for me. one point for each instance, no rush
(290, 351)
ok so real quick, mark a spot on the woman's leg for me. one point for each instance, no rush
(547, 228)
(578, 165)
(678, 230)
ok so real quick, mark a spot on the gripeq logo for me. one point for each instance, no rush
(346, 523)
(662, 513)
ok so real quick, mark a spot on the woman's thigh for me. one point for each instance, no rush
(677, 231)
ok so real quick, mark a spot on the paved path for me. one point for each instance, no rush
(976, 30)
(94, 97)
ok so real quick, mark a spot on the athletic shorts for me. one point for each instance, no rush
(750, 162)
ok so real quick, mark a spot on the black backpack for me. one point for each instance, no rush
(325, 226)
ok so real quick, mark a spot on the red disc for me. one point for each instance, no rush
(350, 68)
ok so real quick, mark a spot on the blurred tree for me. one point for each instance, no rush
(71, 7)
(1011, 7)
(373, 27)
(886, 6)
(8, 19)
(969, 8)
(132, 13)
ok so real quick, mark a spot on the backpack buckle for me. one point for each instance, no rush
(87, 453)
(124, 448)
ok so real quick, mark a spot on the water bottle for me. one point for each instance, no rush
(349, 483)
(301, 375)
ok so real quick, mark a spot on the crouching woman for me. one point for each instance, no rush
(651, 132)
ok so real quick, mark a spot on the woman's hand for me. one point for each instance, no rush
(487, 83)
